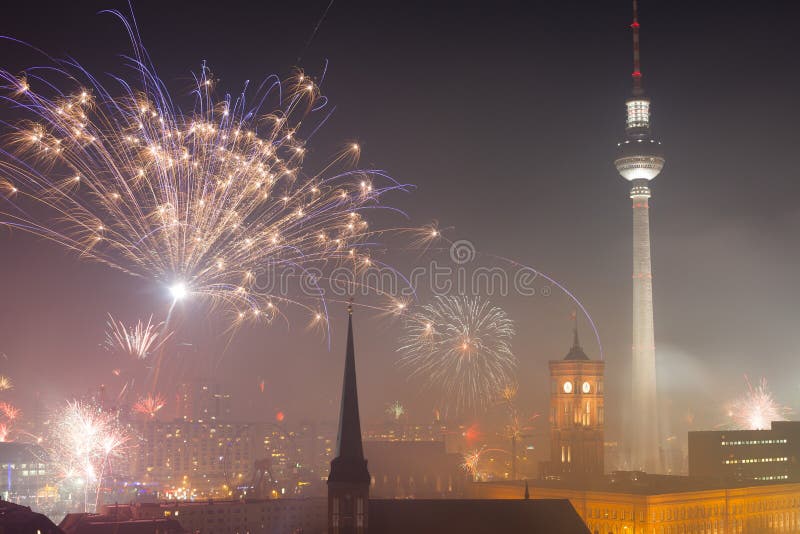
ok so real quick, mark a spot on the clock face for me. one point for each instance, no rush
(586, 387)
(567, 387)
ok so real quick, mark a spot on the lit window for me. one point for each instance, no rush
(638, 113)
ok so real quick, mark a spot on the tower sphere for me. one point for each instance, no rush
(639, 159)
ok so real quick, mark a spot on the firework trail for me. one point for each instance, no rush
(396, 410)
(83, 445)
(136, 344)
(508, 397)
(149, 405)
(757, 408)
(210, 201)
(462, 346)
(137, 341)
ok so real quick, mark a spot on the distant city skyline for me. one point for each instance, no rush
(507, 126)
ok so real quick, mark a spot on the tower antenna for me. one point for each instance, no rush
(637, 67)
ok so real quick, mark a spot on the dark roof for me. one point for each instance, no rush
(100, 524)
(349, 464)
(16, 518)
(630, 483)
(417, 457)
(423, 516)
(576, 352)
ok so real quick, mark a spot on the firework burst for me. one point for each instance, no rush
(83, 446)
(211, 201)
(396, 410)
(461, 345)
(137, 341)
(5, 383)
(757, 408)
(471, 462)
(8, 411)
(149, 405)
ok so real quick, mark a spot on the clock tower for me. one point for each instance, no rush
(576, 413)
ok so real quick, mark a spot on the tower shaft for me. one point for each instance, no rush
(644, 424)
(640, 160)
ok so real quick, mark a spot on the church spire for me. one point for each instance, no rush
(349, 464)
(348, 481)
(575, 342)
(575, 352)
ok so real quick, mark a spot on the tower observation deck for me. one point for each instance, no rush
(639, 160)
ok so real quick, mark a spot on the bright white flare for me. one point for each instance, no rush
(178, 291)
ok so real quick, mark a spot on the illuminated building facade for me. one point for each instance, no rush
(635, 503)
(402, 431)
(199, 458)
(23, 473)
(747, 455)
(190, 459)
(639, 160)
(202, 401)
(184, 395)
(576, 414)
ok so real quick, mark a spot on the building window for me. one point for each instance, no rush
(638, 115)
(360, 512)
(335, 513)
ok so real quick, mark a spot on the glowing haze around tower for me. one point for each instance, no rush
(639, 160)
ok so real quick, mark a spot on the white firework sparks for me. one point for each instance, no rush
(757, 408)
(462, 346)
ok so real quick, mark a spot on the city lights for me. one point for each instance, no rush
(288, 295)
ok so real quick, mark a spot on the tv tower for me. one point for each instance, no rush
(639, 160)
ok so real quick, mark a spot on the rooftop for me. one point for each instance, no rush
(632, 482)
(423, 516)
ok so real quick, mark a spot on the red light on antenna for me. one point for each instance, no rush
(635, 24)
(636, 74)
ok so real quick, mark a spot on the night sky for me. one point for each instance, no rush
(506, 117)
